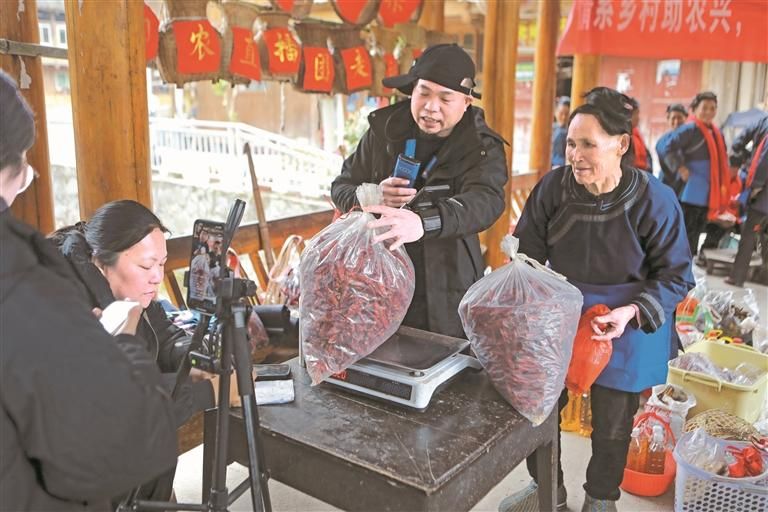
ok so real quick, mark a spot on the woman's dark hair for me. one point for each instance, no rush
(112, 229)
(613, 110)
(17, 125)
(632, 101)
(563, 101)
(677, 107)
(703, 96)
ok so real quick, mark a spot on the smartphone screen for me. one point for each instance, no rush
(204, 265)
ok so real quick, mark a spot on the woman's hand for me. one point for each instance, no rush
(684, 173)
(396, 192)
(405, 226)
(612, 325)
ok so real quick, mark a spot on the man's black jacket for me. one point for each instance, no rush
(472, 163)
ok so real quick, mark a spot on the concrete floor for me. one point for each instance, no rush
(576, 454)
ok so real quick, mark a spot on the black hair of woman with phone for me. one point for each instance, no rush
(83, 419)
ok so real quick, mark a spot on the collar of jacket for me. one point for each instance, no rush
(394, 124)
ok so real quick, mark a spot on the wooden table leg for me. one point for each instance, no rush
(546, 468)
(209, 442)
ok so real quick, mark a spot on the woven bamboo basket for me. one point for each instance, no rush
(186, 8)
(301, 8)
(722, 424)
(266, 21)
(166, 58)
(384, 41)
(434, 37)
(366, 15)
(415, 39)
(344, 37)
(312, 35)
(241, 15)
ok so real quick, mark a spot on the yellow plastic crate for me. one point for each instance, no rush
(743, 401)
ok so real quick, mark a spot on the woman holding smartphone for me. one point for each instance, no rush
(120, 254)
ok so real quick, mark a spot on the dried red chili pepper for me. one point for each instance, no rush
(521, 320)
(354, 295)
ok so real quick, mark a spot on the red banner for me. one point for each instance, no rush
(357, 64)
(318, 69)
(283, 51)
(392, 12)
(669, 29)
(152, 36)
(391, 68)
(198, 47)
(245, 54)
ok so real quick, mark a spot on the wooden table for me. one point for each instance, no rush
(359, 454)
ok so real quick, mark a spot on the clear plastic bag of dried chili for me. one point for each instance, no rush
(521, 320)
(354, 293)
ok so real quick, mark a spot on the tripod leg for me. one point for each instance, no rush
(242, 360)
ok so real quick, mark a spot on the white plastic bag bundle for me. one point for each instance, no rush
(354, 293)
(521, 320)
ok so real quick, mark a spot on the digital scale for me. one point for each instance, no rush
(408, 368)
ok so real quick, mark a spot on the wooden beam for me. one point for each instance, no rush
(499, 63)
(433, 15)
(544, 84)
(586, 74)
(109, 101)
(35, 206)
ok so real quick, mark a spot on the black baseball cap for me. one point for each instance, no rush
(445, 64)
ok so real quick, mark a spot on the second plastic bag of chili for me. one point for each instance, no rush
(590, 357)
(354, 293)
(521, 320)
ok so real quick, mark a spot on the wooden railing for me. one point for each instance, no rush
(247, 242)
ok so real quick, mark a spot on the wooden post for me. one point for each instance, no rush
(544, 84)
(109, 101)
(586, 74)
(433, 15)
(499, 65)
(35, 206)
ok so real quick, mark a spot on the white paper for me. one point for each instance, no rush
(274, 391)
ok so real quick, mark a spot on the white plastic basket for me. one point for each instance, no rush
(700, 491)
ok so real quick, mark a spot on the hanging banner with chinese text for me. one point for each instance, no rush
(669, 29)
(282, 51)
(245, 54)
(152, 36)
(358, 72)
(198, 47)
(317, 72)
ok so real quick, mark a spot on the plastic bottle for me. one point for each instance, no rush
(585, 416)
(635, 452)
(569, 418)
(656, 452)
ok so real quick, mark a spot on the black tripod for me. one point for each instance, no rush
(232, 352)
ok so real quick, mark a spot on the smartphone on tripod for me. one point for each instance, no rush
(204, 265)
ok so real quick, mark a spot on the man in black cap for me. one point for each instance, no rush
(442, 171)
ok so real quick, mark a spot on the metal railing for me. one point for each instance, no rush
(210, 154)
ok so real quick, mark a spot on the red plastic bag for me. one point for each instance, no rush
(354, 293)
(589, 357)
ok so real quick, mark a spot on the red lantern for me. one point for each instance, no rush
(357, 67)
(392, 12)
(245, 54)
(318, 70)
(282, 51)
(152, 37)
(356, 12)
(198, 47)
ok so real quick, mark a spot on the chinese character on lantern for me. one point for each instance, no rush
(357, 64)
(318, 69)
(198, 47)
(245, 54)
(282, 50)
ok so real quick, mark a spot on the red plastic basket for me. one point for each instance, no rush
(646, 484)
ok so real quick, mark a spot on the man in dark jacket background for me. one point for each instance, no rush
(457, 191)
